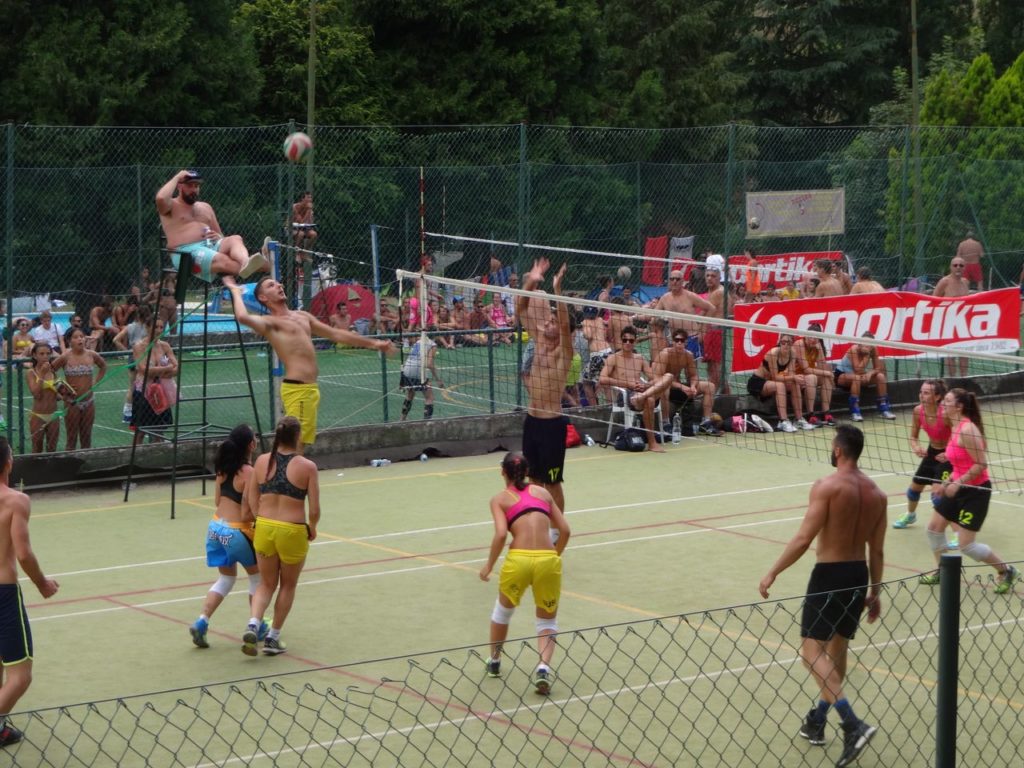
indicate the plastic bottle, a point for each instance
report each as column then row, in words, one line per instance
column 380, row 462
column 588, row 440
column 677, row 429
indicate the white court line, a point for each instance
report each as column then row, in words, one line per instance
column 561, row 704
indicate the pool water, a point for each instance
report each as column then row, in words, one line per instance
column 193, row 324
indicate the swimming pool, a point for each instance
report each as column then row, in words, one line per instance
column 193, row 324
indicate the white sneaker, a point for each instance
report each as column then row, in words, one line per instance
column 786, row 426
column 804, row 424
column 760, row 423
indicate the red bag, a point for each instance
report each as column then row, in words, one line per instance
column 572, row 437
column 157, row 398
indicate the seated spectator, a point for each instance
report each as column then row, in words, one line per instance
column 125, row 313
column 679, row 363
column 49, row 332
column 76, row 323
column 813, row 364
column 789, row 291
column 828, row 284
column 339, row 318
column 388, row 321
column 777, row 377
column 21, row 339
column 444, row 323
column 862, row 367
column 477, row 320
column 99, row 331
column 628, row 298
column 632, row 372
column 499, row 274
column 865, row 283
column 500, row 321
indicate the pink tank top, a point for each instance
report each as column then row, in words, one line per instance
column 960, row 458
column 525, row 502
column 939, row 431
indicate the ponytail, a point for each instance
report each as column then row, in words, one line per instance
column 287, row 434
column 516, row 469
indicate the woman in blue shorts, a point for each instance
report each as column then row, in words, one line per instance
column 229, row 534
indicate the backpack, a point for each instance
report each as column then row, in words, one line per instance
column 572, row 437
column 631, row 440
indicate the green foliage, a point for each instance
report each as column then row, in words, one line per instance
column 1003, row 25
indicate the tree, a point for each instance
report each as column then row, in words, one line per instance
column 1003, row 23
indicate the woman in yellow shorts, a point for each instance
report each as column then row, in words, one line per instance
column 280, row 486
column 532, row 517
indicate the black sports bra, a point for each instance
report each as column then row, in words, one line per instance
column 227, row 489
column 279, row 483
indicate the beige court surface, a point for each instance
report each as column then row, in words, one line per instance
column 394, row 569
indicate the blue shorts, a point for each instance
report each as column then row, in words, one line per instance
column 694, row 346
column 15, row 634
column 227, row 545
column 203, row 253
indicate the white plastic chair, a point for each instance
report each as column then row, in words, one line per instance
column 630, row 418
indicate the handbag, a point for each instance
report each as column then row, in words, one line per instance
column 157, row 395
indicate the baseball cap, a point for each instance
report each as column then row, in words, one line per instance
column 193, row 175
column 716, row 262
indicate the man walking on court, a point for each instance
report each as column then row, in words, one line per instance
column 545, row 426
column 290, row 332
column 847, row 514
column 15, row 633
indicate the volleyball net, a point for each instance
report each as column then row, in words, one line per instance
column 863, row 359
column 722, row 687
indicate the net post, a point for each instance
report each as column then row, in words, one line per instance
column 950, row 567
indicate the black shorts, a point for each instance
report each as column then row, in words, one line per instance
column 412, row 384
column 835, row 599
column 931, row 471
column 677, row 396
column 544, row 448
column 755, row 386
column 15, row 633
column 969, row 507
column 143, row 416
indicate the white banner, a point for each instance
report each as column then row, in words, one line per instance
column 801, row 212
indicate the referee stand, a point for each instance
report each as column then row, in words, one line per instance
column 204, row 430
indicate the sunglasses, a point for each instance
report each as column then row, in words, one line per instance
column 674, row 279
column 679, row 340
column 628, row 340
column 958, row 266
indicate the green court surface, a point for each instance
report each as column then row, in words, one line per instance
column 394, row 573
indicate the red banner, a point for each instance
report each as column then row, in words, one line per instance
column 983, row 322
column 775, row 270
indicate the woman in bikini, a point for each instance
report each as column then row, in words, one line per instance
column 21, row 339
column 44, row 423
column 78, row 364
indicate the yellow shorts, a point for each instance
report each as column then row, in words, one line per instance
column 288, row 541
column 301, row 401
column 540, row 569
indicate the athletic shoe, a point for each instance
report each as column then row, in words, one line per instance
column 707, row 427
column 1006, row 581
column 787, row 426
column 265, row 248
column 493, row 667
column 272, row 646
column 542, row 681
column 812, row 730
column 930, row 579
column 828, row 420
column 9, row 734
column 855, row 415
column 855, row 738
column 249, row 640
column 887, row 413
column 198, row 632
column 814, row 421
column 907, row 518
column 954, row 542
column 261, row 633
column 804, row 424
column 760, row 423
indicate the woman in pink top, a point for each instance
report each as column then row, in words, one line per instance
column 532, row 517
column 965, row 496
column 933, row 469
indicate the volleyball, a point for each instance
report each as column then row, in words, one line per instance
column 624, row 274
column 754, row 222
column 297, row 146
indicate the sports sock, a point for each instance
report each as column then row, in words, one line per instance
column 820, row 712
column 204, row 617
column 274, row 634
column 845, row 711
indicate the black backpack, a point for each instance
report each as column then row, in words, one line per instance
column 631, row 440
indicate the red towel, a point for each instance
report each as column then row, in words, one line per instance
column 654, row 267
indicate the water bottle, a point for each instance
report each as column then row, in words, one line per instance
column 380, row 462
column 423, row 457
column 588, row 440
column 677, row 429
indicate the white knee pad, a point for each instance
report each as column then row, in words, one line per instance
column 546, row 626
column 254, row 581
column 501, row 614
column 937, row 540
column 977, row 551
column 223, row 585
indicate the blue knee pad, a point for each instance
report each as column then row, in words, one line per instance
column 936, row 500
column 913, row 495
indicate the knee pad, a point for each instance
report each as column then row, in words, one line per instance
column 547, row 626
column 936, row 500
column 977, row 551
column 254, row 581
column 937, row 541
column 913, row 495
column 428, row 411
column 223, row 585
column 501, row 614
column 406, row 407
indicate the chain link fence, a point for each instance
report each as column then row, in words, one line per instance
column 79, row 219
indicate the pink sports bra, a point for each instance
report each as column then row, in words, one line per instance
column 525, row 502
column 961, row 460
column 939, row 431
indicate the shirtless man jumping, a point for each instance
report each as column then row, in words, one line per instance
column 290, row 332
column 192, row 227
column 545, row 426
column 846, row 512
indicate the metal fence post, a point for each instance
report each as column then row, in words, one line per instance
column 949, row 660
column 9, row 290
